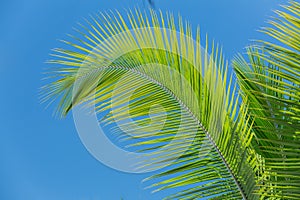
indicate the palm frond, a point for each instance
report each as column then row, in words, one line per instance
column 127, row 70
column 270, row 81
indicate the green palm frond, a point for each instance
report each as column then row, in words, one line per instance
column 270, row 81
column 190, row 95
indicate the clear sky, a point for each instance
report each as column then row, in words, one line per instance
column 42, row 158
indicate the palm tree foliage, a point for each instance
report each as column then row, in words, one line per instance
column 235, row 141
column 270, row 81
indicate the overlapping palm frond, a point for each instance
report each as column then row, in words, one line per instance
column 270, row 81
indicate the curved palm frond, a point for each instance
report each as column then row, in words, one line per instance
column 116, row 64
column 271, row 83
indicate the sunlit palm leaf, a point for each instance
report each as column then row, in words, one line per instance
column 197, row 95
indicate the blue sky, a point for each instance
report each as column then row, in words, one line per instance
column 41, row 157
